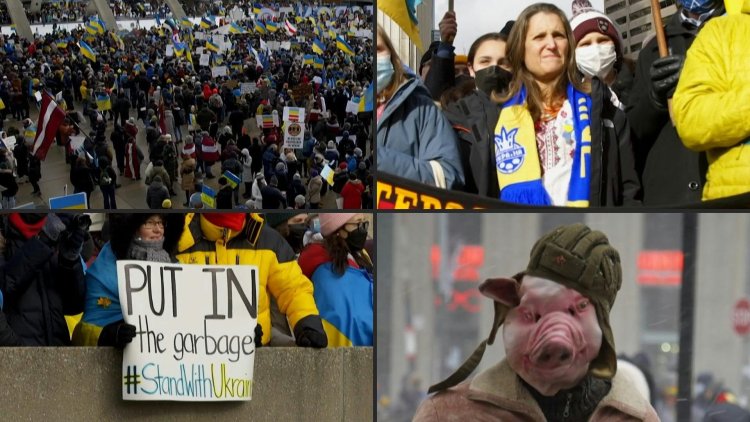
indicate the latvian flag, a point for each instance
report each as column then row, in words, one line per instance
column 291, row 29
column 50, row 117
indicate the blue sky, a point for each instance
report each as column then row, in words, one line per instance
column 477, row 17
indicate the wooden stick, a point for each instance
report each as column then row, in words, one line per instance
column 450, row 5
column 661, row 39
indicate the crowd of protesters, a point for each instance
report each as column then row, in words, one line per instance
column 550, row 112
column 163, row 120
column 58, row 282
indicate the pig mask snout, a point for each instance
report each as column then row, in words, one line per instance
column 556, row 341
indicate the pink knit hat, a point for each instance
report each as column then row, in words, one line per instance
column 330, row 222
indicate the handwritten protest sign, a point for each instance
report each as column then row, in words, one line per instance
column 205, row 59
column 294, row 133
column 248, row 88
column 217, row 71
column 10, row 142
column 195, row 330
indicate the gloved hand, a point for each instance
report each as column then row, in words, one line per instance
column 448, row 28
column 258, row 336
column 665, row 73
column 50, row 233
column 117, row 334
column 71, row 242
column 309, row 332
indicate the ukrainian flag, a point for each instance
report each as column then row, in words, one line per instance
column 236, row 29
column 233, row 180
column 87, row 51
column 257, row 8
column 186, row 22
column 309, row 59
column 365, row 103
column 218, row 59
column 317, row 31
column 404, row 14
column 206, row 23
column 76, row 201
column 103, row 102
column 344, row 46
column 30, row 132
column 208, row 197
column 260, row 28
column 272, row 26
column 211, row 46
column 62, row 44
column 318, row 63
column 298, row 19
column 332, row 33
column 92, row 29
column 100, row 24
column 318, row 47
column 179, row 49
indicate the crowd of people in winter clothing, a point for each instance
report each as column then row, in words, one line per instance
column 196, row 126
column 568, row 119
column 59, row 287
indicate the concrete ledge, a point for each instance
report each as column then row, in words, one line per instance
column 291, row 384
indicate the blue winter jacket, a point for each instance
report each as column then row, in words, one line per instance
column 411, row 132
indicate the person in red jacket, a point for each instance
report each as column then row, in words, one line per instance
column 209, row 153
column 352, row 193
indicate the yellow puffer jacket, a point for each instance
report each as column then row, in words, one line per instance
column 712, row 102
column 205, row 243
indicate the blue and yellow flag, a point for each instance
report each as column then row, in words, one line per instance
column 260, row 28
column 179, row 49
column 91, row 28
column 218, row 59
column 62, row 44
column 318, row 63
column 232, row 179
column 206, row 22
column 318, row 47
column 236, row 29
column 30, row 132
column 365, row 103
column 211, row 46
column 272, row 26
column 185, row 22
column 103, row 102
column 87, row 51
column 208, row 197
column 404, row 13
column 257, row 7
column 342, row 45
column 308, row 59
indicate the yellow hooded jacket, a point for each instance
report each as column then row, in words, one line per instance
column 205, row 243
column 711, row 105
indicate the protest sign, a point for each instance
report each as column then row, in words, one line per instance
column 76, row 142
column 200, row 50
column 76, row 201
column 170, row 50
column 327, row 174
column 248, row 88
column 267, row 121
column 352, row 107
column 299, row 92
column 159, row 61
column 195, row 330
column 286, row 45
column 217, row 71
column 294, row 133
column 10, row 142
column 294, row 114
column 199, row 36
column 205, row 59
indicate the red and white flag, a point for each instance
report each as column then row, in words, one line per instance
column 290, row 28
column 50, row 117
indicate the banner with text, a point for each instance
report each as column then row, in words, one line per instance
column 195, row 330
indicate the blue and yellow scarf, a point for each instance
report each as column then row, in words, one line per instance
column 519, row 172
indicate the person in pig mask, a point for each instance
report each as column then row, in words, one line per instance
column 560, row 360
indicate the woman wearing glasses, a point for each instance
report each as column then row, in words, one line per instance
column 341, row 272
column 144, row 237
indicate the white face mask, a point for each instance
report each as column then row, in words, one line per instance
column 596, row 60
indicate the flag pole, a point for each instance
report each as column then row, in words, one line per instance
column 661, row 40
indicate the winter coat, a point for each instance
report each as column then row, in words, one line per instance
column 278, row 272
column 345, row 301
column 295, row 188
column 257, row 196
column 613, row 181
column 161, row 172
column 313, row 189
column 169, row 156
column 497, row 394
column 352, row 194
column 272, row 198
column 413, row 135
column 670, row 173
column 339, row 180
column 711, row 108
column 224, row 198
column 187, row 175
column 156, row 194
column 80, row 178
column 247, row 168
column 133, row 158
column 169, row 123
column 39, row 287
column 209, row 150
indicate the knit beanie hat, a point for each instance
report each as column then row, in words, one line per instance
column 586, row 20
column 330, row 222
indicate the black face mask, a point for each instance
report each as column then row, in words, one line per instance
column 492, row 78
column 356, row 239
column 295, row 236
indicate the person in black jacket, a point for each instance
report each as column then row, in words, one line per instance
column 224, row 195
column 43, row 280
column 671, row 173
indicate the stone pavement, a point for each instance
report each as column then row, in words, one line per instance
column 132, row 193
